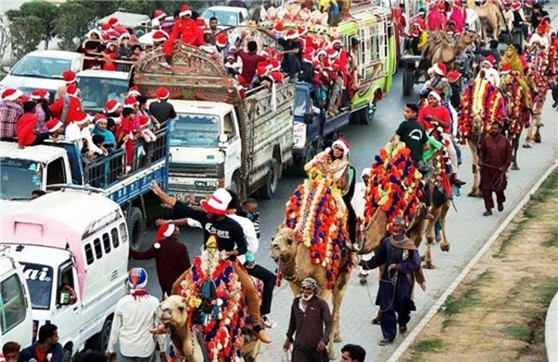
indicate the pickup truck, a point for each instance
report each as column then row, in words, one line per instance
column 98, row 86
column 220, row 138
column 51, row 165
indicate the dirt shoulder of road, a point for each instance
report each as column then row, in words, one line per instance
column 497, row 313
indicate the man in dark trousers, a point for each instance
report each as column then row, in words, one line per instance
column 292, row 54
column 46, row 348
column 171, row 256
column 310, row 325
column 162, row 110
column 495, row 156
column 401, row 261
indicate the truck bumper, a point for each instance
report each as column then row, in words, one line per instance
column 192, row 192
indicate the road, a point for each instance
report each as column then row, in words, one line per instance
column 467, row 228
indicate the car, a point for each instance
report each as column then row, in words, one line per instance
column 98, row 86
column 227, row 16
column 41, row 69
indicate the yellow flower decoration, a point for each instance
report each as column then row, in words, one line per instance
column 194, row 302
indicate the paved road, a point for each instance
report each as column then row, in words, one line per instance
column 467, row 228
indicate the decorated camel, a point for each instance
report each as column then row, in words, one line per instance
column 312, row 242
column 481, row 105
column 394, row 189
column 490, row 15
column 207, row 315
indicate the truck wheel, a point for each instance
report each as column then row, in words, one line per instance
column 135, row 226
column 100, row 341
column 407, row 81
column 366, row 115
column 268, row 190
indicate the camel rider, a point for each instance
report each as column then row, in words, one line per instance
column 419, row 38
column 458, row 16
column 539, row 39
column 512, row 59
column 438, row 82
column 489, row 72
column 508, row 14
column 508, row 76
column 231, row 241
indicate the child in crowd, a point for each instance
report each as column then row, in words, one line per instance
column 145, row 129
column 110, row 54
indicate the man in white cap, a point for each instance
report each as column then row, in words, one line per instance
column 134, row 316
column 231, row 240
column 10, row 111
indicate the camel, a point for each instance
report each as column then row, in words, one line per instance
column 491, row 16
column 439, row 48
column 295, row 264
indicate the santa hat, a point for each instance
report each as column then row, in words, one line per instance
column 110, row 35
column 111, row 106
column 71, row 90
column 321, row 52
column 230, row 56
column 505, row 69
column 134, row 91
column 69, row 76
column 218, row 203
column 130, row 102
column 302, row 30
column 143, row 120
column 489, row 60
column 516, row 5
column 164, row 231
column 308, row 58
column 440, row 69
column 95, row 31
column 279, row 27
column 435, row 95
column 506, row 2
column 53, row 125
column 332, row 53
column 112, row 22
column 241, row 81
column 528, row 4
column 343, row 143
column 262, row 71
column 441, row 6
column 200, row 22
column 291, row 34
column 415, row 33
column 99, row 117
column 158, row 14
column 454, row 76
column 542, row 28
column 40, row 94
column 221, row 40
column 124, row 35
column 336, row 41
column 159, row 36
column 105, row 27
column 277, row 77
column 275, row 64
column 185, row 10
column 81, row 118
column 162, row 93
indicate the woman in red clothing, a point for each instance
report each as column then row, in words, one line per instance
column 110, row 54
column 27, row 127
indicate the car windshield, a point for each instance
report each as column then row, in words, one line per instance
column 195, row 130
column 39, row 67
column 224, row 18
column 300, row 104
column 96, row 91
column 39, row 281
column 19, row 178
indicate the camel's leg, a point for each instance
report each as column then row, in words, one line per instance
column 337, row 297
column 515, row 148
column 475, row 162
column 429, row 241
column 445, row 245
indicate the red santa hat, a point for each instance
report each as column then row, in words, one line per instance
column 72, row 90
column 505, row 69
column 200, row 22
column 162, row 93
column 221, row 40
column 82, row 118
column 343, row 143
column 516, row 5
column 105, row 27
column 279, row 27
column 218, row 203
column 441, row 6
column 95, row 31
column 69, row 76
column 159, row 36
column 454, row 76
column 124, row 35
column 277, row 77
column 489, row 60
column 99, row 117
column 143, row 120
column 111, row 106
column 440, row 69
column 415, row 33
column 291, row 34
column 130, row 102
column 159, row 14
column 332, row 53
column 308, row 58
column 321, row 52
column 40, row 94
column 241, row 81
column 53, row 125
column 112, row 22
column 302, row 30
column 528, row 3
column 506, row 2
column 336, row 41
column 435, row 95
column 275, row 64
column 110, row 35
column 262, row 71
column 542, row 28
column 134, row 91
column 185, row 10
column 165, row 231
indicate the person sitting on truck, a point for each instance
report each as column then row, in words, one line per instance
column 78, row 132
column 231, row 241
column 91, row 47
column 55, row 129
column 162, row 110
column 68, row 106
column 125, row 135
column 292, row 54
column 110, row 54
column 10, row 352
column 249, row 59
column 100, row 129
column 11, row 110
column 47, row 345
column 27, row 127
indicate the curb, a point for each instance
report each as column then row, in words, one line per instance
column 551, row 331
column 411, row 337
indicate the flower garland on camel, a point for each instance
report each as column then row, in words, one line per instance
column 394, row 185
column 515, row 108
column 480, row 97
column 313, row 211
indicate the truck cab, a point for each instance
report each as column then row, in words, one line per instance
column 98, row 86
column 73, row 246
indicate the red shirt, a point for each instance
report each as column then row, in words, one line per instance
column 25, row 129
column 440, row 113
column 57, row 107
column 250, row 64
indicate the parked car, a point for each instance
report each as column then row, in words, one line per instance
column 227, row 16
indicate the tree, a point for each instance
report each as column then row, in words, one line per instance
column 74, row 21
column 47, row 14
column 4, row 36
column 26, row 35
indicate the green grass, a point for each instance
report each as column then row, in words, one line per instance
column 430, row 345
column 520, row 332
column 470, row 298
column 553, row 241
column 546, row 290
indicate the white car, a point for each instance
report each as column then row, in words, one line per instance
column 98, row 86
column 227, row 16
column 42, row 69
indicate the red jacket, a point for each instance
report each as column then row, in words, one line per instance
column 57, row 108
column 25, row 129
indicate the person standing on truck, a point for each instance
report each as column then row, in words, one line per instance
column 68, row 106
column 41, row 96
column 249, row 59
column 27, row 130
column 70, row 78
column 171, row 256
column 162, row 111
column 134, row 316
column 231, row 241
column 10, row 111
column 46, row 348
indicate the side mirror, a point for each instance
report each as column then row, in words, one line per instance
column 6, row 69
column 308, row 118
column 223, row 141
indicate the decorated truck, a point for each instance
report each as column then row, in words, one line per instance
column 221, row 137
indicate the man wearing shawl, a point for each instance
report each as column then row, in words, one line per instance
column 401, row 261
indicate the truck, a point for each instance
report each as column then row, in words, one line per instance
column 51, row 165
column 73, row 247
column 221, row 137
column 98, row 86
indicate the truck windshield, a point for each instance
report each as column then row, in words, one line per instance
column 195, row 130
column 300, row 103
column 19, row 178
column 96, row 91
column 39, row 281
column 224, row 18
column 39, row 67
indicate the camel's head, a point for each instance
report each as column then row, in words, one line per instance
column 173, row 311
column 372, row 232
column 283, row 245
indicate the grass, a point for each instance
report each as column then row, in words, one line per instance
column 553, row 241
column 430, row 345
column 521, row 332
column 470, row 298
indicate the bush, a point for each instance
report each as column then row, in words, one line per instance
column 73, row 23
column 26, row 35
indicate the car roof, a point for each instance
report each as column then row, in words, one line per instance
column 97, row 73
column 40, row 153
column 200, row 107
column 59, row 54
column 127, row 19
column 227, row 8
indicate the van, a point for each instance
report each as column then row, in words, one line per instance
column 16, row 320
column 73, row 246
